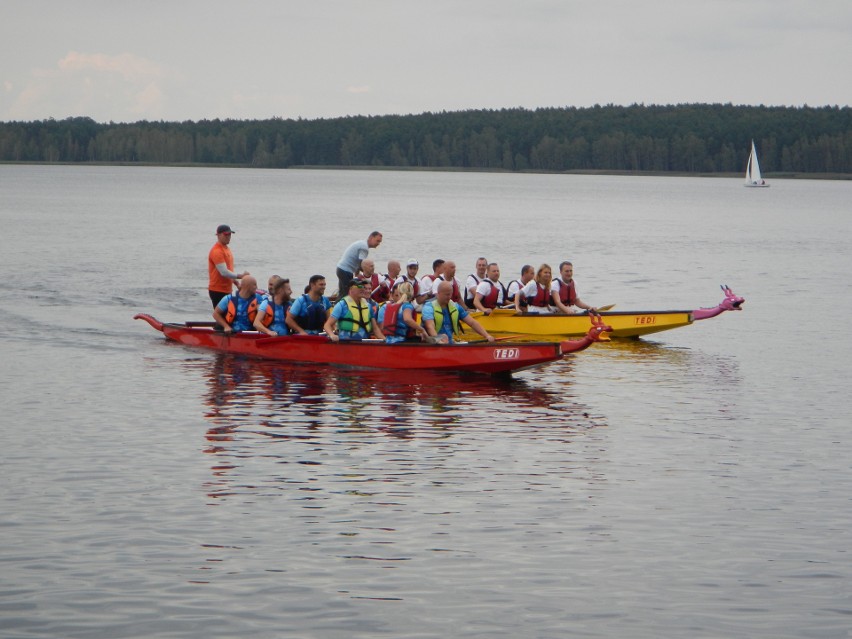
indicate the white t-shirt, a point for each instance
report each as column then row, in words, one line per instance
column 472, row 281
column 514, row 287
column 426, row 284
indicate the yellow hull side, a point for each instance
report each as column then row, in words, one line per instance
column 624, row 324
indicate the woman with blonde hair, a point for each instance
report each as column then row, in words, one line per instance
column 398, row 317
column 537, row 292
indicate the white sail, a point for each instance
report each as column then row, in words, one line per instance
column 752, row 176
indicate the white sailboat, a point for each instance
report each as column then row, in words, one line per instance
column 752, row 175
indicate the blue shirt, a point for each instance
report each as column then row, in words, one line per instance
column 301, row 308
column 352, row 256
column 428, row 313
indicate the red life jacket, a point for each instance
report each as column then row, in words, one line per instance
column 391, row 321
column 381, row 291
column 490, row 300
column 457, row 297
column 567, row 294
column 541, row 297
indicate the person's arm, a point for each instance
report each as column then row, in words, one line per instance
column 581, row 304
column 258, row 323
column 427, row 320
column 429, row 325
column 220, row 319
column 470, row 285
column 224, row 272
column 330, row 328
column 293, row 325
column 477, row 327
column 408, row 318
column 377, row 332
column 477, row 304
column 518, row 297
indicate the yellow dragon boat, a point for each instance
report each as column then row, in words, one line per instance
column 624, row 323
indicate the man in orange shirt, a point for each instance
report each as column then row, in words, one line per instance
column 220, row 266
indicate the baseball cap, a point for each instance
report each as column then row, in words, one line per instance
column 358, row 282
column 412, row 263
column 224, row 228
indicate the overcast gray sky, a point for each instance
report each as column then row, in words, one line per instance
column 124, row 61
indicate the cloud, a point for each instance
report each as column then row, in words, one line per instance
column 129, row 66
column 359, row 89
column 105, row 87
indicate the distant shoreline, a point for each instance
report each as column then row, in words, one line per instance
column 197, row 165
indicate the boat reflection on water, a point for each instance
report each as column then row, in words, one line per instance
column 282, row 400
column 316, row 424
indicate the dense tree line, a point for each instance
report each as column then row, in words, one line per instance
column 691, row 138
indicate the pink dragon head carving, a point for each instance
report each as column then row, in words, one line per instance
column 732, row 302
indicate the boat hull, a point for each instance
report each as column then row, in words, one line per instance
column 624, row 324
column 475, row 357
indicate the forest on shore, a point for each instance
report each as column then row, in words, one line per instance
column 687, row 138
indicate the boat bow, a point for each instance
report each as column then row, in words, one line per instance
column 153, row 321
column 595, row 334
column 732, row 302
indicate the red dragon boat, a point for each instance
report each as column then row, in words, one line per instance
column 495, row 358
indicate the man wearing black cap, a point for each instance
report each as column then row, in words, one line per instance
column 220, row 266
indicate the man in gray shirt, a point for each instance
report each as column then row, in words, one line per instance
column 350, row 262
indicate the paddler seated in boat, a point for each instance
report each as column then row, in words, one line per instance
column 272, row 313
column 398, row 318
column 564, row 291
column 473, row 280
column 442, row 316
column 427, row 281
column 527, row 274
column 410, row 276
column 308, row 313
column 237, row 311
column 368, row 272
column 536, row 295
column 351, row 319
column 382, row 292
column 267, row 294
column 490, row 293
column 448, row 274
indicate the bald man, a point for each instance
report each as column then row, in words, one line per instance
column 441, row 316
column 237, row 311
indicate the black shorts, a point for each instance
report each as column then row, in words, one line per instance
column 216, row 297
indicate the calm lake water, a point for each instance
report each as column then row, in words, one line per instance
column 697, row 483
